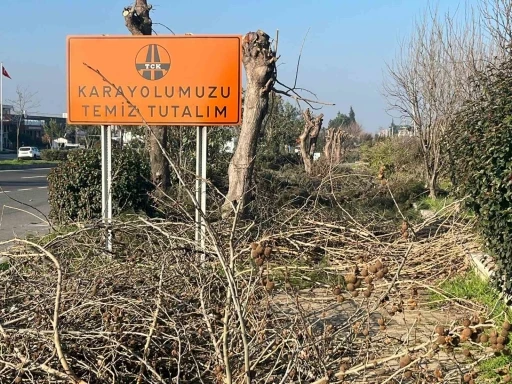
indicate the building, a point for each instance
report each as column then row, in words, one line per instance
column 31, row 126
column 402, row 130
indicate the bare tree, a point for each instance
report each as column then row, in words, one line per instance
column 339, row 140
column 138, row 21
column 24, row 101
column 259, row 63
column 421, row 86
column 309, row 137
column 497, row 20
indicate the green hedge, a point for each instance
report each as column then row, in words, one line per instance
column 75, row 185
column 54, row 154
column 481, row 149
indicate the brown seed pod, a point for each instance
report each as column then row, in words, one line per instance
column 367, row 293
column 467, row 377
column 379, row 265
column 385, row 270
column 373, row 268
column 493, row 333
column 380, row 274
column 364, row 272
column 269, row 286
column 366, row 332
column 441, row 340
column 18, row 379
column 381, row 321
column 254, row 245
column 500, row 340
column 340, row 299
column 440, row 330
column 260, row 249
column 507, row 379
column 358, row 283
column 506, row 325
column 382, row 327
column 267, row 251
column 500, row 347
column 405, row 361
column 484, row 338
column 259, row 261
column 254, row 254
column 351, row 278
column 466, row 322
column 467, row 332
column 504, row 333
column 438, row 373
column 351, row 287
column 493, row 340
column 407, row 374
column 466, row 352
column 355, row 293
column 337, row 291
column 368, row 279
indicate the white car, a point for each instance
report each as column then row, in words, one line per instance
column 29, row 153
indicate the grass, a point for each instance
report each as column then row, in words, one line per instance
column 26, row 162
column 471, row 286
column 434, row 204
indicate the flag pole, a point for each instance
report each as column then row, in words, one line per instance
column 1, row 107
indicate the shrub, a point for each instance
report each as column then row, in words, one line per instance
column 75, row 185
column 482, row 159
column 397, row 154
column 54, row 154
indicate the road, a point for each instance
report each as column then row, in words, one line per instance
column 7, row 156
column 23, row 202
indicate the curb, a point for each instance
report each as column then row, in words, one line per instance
column 5, row 167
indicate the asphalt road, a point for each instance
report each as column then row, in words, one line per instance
column 23, row 202
column 7, row 156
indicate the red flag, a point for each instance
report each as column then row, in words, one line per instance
column 5, row 73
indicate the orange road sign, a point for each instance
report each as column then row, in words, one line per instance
column 162, row 80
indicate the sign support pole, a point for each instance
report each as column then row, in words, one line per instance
column 106, row 181
column 201, row 154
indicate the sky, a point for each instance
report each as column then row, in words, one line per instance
column 343, row 60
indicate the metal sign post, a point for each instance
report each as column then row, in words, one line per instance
column 106, row 181
column 201, row 154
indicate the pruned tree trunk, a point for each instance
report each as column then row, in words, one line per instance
column 138, row 22
column 308, row 139
column 259, row 63
column 334, row 149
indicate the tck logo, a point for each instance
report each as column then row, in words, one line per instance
column 153, row 62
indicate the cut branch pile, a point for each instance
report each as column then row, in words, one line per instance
column 313, row 298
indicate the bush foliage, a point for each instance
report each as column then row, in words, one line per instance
column 75, row 185
column 397, row 154
column 482, row 160
column 54, row 154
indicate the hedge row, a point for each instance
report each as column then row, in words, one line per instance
column 54, row 154
column 75, row 185
column 481, row 150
